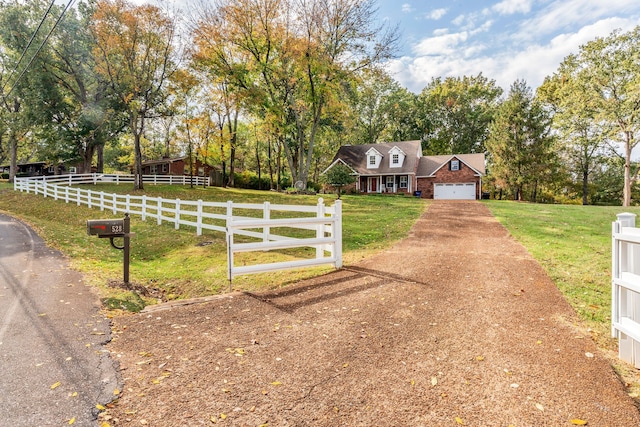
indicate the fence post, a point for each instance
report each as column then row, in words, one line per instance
column 229, row 243
column 625, row 303
column 199, row 219
column 337, row 233
column 159, row 210
column 44, row 188
column 177, row 215
column 89, row 199
column 266, row 214
column 144, row 207
column 114, row 207
column 128, row 203
column 102, row 200
column 320, row 228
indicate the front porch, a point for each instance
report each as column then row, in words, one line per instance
column 385, row 184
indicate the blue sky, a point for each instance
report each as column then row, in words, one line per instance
column 504, row 40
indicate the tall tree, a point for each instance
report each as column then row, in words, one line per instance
column 521, row 151
column 606, row 72
column 290, row 58
column 458, row 111
column 581, row 136
column 135, row 51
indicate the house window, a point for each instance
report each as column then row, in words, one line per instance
column 201, row 171
column 372, row 160
column 165, row 168
column 154, row 169
column 72, row 169
column 455, row 165
column 389, row 182
column 403, row 181
column 395, row 159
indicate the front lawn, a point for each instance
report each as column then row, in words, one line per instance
column 183, row 265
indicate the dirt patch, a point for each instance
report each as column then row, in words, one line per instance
column 457, row 324
column 145, row 291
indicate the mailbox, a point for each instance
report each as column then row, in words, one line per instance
column 106, row 227
column 112, row 228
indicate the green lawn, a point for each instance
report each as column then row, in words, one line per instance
column 184, row 265
column 573, row 244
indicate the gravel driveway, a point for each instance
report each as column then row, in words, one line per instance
column 455, row 325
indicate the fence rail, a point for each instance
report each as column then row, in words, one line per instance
column 95, row 178
column 250, row 220
column 625, row 288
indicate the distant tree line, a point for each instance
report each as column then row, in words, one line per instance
column 268, row 90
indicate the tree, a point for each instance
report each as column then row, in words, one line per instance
column 290, row 59
column 521, row 151
column 457, row 113
column 339, row 175
column 375, row 102
column 135, row 53
column 76, row 105
column 582, row 137
column 607, row 76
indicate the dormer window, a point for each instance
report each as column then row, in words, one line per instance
column 396, row 157
column 373, row 158
column 455, row 165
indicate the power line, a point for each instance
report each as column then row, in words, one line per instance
column 24, row 52
column 24, row 70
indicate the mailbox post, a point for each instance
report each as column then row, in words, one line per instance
column 111, row 229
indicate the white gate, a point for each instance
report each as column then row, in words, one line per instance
column 625, row 288
column 326, row 225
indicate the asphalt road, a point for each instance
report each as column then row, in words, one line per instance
column 54, row 369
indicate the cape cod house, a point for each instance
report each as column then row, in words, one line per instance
column 400, row 167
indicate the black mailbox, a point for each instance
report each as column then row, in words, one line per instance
column 105, row 227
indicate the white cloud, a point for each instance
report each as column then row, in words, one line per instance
column 445, row 44
column 437, row 14
column 459, row 54
column 458, row 20
column 560, row 15
column 510, row 7
column 406, row 8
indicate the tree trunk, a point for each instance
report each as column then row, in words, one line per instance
column 13, row 155
column 626, row 193
column 270, row 163
column 87, row 158
column 100, row 155
column 137, row 181
column 585, row 187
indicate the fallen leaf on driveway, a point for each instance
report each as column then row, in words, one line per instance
column 56, row 385
column 578, row 422
column 460, row 421
column 539, row 406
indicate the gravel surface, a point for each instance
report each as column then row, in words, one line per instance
column 455, row 325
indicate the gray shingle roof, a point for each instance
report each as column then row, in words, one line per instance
column 430, row 164
column 355, row 156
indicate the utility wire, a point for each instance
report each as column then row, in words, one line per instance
column 24, row 52
column 41, row 46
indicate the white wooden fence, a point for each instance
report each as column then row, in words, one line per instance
column 625, row 289
column 94, row 178
column 252, row 221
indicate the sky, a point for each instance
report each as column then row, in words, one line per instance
column 504, row 40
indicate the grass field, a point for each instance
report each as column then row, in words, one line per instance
column 184, row 265
column 573, row 244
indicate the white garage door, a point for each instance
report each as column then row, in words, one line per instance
column 463, row 191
